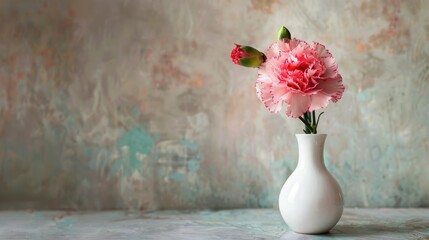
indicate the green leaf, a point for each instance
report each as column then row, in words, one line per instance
column 283, row 33
column 318, row 118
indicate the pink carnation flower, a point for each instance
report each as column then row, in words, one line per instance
column 302, row 75
column 237, row 53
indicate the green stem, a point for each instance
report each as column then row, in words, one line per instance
column 310, row 122
column 314, row 117
column 314, row 125
column 308, row 119
column 307, row 125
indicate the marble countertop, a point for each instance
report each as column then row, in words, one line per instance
column 225, row 224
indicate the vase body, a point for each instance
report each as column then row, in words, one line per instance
column 311, row 200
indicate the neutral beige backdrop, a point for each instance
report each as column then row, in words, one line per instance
column 136, row 104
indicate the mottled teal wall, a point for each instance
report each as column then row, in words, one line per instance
column 135, row 104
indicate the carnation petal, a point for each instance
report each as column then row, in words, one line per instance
column 263, row 75
column 332, row 87
column 280, row 92
column 318, row 101
column 275, row 50
column 297, row 105
column 264, row 94
column 320, row 49
column 331, row 67
column 263, row 91
column 274, row 107
column 295, row 42
column 327, row 58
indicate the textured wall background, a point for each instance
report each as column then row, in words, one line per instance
column 135, row 104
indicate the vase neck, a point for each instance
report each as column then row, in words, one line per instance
column 311, row 150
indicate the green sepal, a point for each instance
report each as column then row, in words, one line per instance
column 250, row 50
column 254, row 61
column 283, row 33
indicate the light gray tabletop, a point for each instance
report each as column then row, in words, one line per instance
column 225, row 224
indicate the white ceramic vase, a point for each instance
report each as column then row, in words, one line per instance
column 311, row 200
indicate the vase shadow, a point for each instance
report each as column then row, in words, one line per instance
column 417, row 229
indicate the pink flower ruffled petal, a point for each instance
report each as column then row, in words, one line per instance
column 318, row 101
column 332, row 87
column 303, row 76
column 298, row 105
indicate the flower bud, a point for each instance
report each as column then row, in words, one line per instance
column 283, row 33
column 247, row 56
